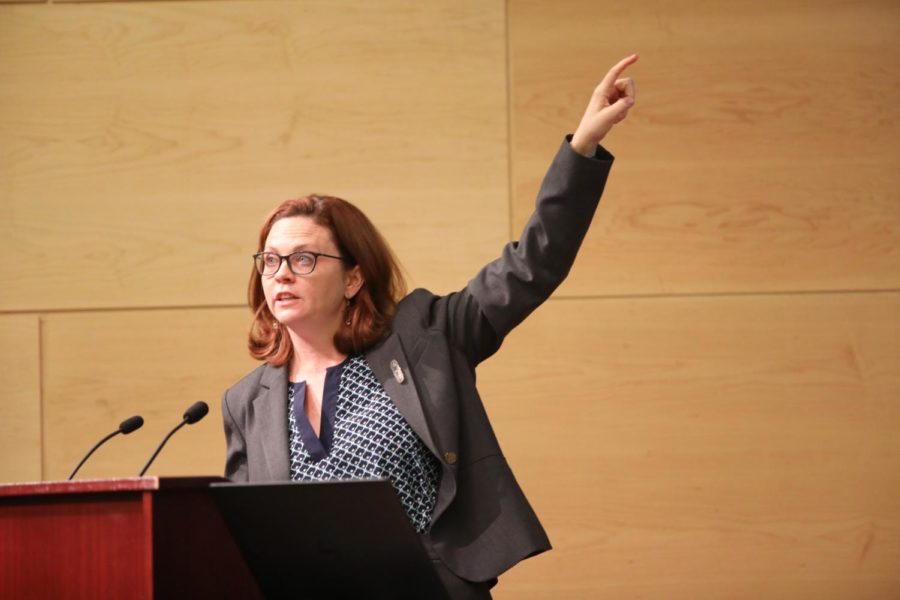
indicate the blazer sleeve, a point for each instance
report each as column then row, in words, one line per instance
column 529, row 269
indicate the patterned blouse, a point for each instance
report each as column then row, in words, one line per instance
column 362, row 436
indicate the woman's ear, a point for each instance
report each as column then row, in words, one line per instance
column 353, row 282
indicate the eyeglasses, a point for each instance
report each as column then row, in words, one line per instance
column 300, row 263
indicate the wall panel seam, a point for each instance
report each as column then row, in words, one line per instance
column 103, row 309
column 762, row 293
column 558, row 298
column 509, row 134
column 72, row 2
column 41, row 371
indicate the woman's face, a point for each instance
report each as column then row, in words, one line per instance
column 317, row 300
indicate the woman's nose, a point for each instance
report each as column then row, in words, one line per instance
column 284, row 271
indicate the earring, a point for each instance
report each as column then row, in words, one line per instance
column 348, row 321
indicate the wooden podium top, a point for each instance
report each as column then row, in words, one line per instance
column 120, row 484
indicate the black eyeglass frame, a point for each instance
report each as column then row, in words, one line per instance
column 285, row 257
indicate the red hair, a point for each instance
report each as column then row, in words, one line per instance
column 357, row 240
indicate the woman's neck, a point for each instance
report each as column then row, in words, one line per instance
column 313, row 353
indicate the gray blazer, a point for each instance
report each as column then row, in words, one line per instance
column 482, row 523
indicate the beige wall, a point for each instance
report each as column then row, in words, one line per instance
column 709, row 406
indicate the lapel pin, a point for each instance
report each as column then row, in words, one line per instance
column 397, row 371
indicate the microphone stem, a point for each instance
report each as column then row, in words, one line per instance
column 88, row 455
column 160, row 447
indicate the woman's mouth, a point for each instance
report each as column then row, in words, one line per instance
column 284, row 297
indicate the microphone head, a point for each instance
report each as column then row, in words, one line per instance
column 131, row 423
column 196, row 412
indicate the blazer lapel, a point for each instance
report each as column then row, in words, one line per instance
column 400, row 386
column 271, row 419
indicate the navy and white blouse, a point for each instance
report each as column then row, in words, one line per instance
column 362, row 436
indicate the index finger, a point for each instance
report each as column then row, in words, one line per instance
column 617, row 70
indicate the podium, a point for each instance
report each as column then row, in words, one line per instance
column 140, row 537
column 201, row 537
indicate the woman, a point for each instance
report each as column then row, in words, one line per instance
column 359, row 383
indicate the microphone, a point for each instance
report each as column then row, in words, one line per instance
column 193, row 414
column 127, row 426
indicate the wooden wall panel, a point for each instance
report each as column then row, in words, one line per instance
column 101, row 368
column 20, row 398
column 142, row 144
column 762, row 152
column 741, row 447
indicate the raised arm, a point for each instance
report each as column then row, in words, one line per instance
column 509, row 288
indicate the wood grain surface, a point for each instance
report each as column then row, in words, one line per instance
column 706, row 447
column 104, row 367
column 141, row 145
column 20, row 399
column 708, row 407
column 761, row 154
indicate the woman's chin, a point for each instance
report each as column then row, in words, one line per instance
column 300, row 320
column 287, row 316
